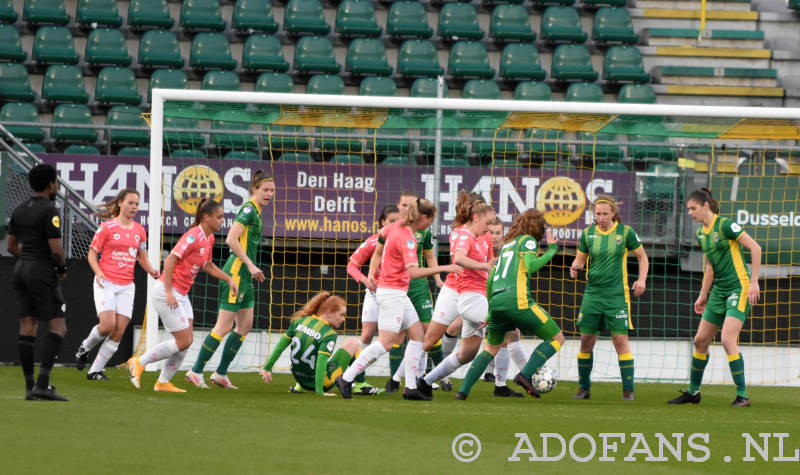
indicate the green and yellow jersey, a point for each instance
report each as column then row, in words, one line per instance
column 249, row 216
column 720, row 244
column 607, row 253
column 508, row 286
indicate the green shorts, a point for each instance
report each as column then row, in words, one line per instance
column 726, row 304
column 336, row 365
column 244, row 299
column 420, row 295
column 530, row 321
column 600, row 313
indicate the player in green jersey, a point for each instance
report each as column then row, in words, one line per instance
column 243, row 238
column 312, row 338
column 732, row 292
column 511, row 304
column 606, row 303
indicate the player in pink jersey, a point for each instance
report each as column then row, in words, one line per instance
column 396, row 313
column 121, row 242
column 170, row 297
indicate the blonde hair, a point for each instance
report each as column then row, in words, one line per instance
column 418, row 209
column 321, row 304
column 607, row 199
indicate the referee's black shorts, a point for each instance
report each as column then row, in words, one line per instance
column 38, row 290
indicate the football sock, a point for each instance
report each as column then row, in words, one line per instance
column 396, row 357
column 412, row 360
column 52, row 343
column 400, row 371
column 163, row 350
column 736, row 363
column 517, row 354
column 541, row 353
column 423, row 365
column 435, row 356
column 490, row 368
column 232, row 345
column 171, row 366
column 448, row 344
column 366, row 358
column 93, row 339
column 209, row 346
column 476, row 370
column 106, row 351
column 501, row 362
column 626, row 370
column 443, row 369
column 585, row 363
column 25, row 347
column 699, row 362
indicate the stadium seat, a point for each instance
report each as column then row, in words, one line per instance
column 274, row 82
column 500, row 163
column 511, row 22
column 107, row 47
column 561, row 23
column 408, row 19
column 455, row 162
column 167, row 79
column 73, row 114
column 242, row 155
column 305, row 17
column 263, row 53
column 188, row 153
column 201, row 15
column 189, row 140
column 54, row 44
column 502, row 145
column 624, row 63
column 650, row 152
column 418, row 58
column 93, row 13
column 395, row 160
column 367, row 56
column 41, row 12
column 357, row 18
column 584, row 92
column 15, row 84
column 295, row 142
column 469, row 59
column 459, row 21
column 389, row 146
column 335, row 145
column 64, row 83
column 134, row 152
column 314, row 54
column 295, row 157
column 637, row 94
column 558, row 164
column 81, row 150
column 613, row 3
column 226, row 141
column 377, row 86
column 572, row 62
column 588, row 148
column 542, row 151
column 347, row 158
column 117, row 85
column 7, row 13
column 211, row 50
column 149, row 14
column 254, row 15
column 127, row 116
column 425, row 87
column 35, row 148
column 160, row 48
column 325, row 84
column 521, row 61
column 221, row 81
column 532, row 91
column 480, row 89
column 611, row 166
column 613, row 25
column 660, row 187
column 450, row 147
column 10, row 44
column 22, row 112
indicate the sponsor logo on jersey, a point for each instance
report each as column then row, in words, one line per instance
column 716, row 236
column 247, row 209
column 455, row 235
column 530, row 245
column 410, row 243
column 619, row 239
column 308, row 331
column 132, row 251
column 190, row 239
column 331, row 345
column 137, row 238
column 735, row 227
column 622, row 314
column 202, row 251
column 733, row 300
column 116, row 236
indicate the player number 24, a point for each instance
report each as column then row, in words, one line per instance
column 308, row 356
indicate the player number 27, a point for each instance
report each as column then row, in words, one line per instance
column 506, row 256
column 308, row 357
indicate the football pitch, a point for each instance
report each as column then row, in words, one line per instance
column 109, row 427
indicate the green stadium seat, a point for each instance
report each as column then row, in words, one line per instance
column 314, row 54
column 15, row 84
column 367, row 56
column 41, row 12
column 117, row 86
column 274, row 82
column 395, row 160
column 540, row 151
column 561, row 23
column 510, row 163
column 335, row 145
column 325, row 84
column 502, row 145
column 64, row 83
column 572, row 62
column 588, row 148
column 127, row 116
column 107, row 47
column 511, row 22
column 521, row 61
column 425, row 87
column 408, row 19
column 347, row 158
column 211, row 50
column 459, row 20
column 202, row 15
column 160, row 48
column 305, row 17
column 173, row 139
column 532, row 91
column 98, row 12
column 54, row 44
column 73, row 114
column 611, row 166
column 389, row 146
column 455, row 162
column 263, row 53
column 7, row 13
column 660, row 187
column 11, row 45
column 650, row 152
column 613, row 25
column 469, row 59
column 22, row 112
column 35, row 148
column 134, row 152
column 167, row 79
column 295, row 142
column 377, row 86
column 637, row 94
column 584, row 92
column 242, row 155
column 254, row 15
column 624, row 63
column 450, row 147
column 221, row 81
column 613, row 3
column 81, row 150
column 418, row 58
column 295, row 157
column 480, row 89
column 149, row 14
column 225, row 141
column 562, row 164
column 357, row 18
column 188, row 153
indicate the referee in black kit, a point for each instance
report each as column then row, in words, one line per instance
column 35, row 237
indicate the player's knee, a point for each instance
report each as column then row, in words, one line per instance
column 729, row 342
column 701, row 343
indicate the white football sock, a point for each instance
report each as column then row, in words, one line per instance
column 93, row 339
column 501, row 367
column 401, row 370
column 423, row 364
column 412, row 358
column 448, row 344
column 489, row 368
column 106, row 351
column 517, row 354
column 162, row 351
column 366, row 358
column 443, row 369
column 171, row 366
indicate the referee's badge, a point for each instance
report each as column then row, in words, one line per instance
column 56, row 222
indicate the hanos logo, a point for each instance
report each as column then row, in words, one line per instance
column 561, row 200
column 195, row 183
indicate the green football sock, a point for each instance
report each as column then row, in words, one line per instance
column 699, row 362
column 541, row 353
column 475, row 372
column 585, row 363
column 736, row 363
column 626, row 370
column 395, row 357
column 210, row 345
column 435, row 356
column 232, row 345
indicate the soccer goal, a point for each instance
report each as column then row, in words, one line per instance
column 339, row 159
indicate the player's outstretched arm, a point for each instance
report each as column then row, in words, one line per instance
column 266, row 373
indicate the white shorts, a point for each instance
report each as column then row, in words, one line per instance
column 473, row 308
column 369, row 312
column 446, row 309
column 114, row 298
column 395, row 311
column 174, row 319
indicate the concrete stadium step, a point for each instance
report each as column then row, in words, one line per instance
column 730, row 5
column 693, row 56
column 741, row 91
column 716, row 38
column 711, row 76
column 690, row 18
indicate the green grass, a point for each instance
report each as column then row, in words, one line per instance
column 109, row 427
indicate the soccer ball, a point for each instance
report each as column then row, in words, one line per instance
column 544, row 380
